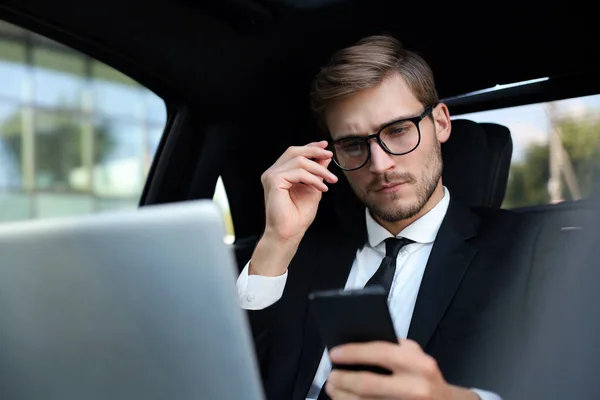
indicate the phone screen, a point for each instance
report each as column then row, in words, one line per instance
column 353, row 316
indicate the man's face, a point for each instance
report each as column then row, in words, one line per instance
column 394, row 188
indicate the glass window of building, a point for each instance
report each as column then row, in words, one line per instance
column 76, row 136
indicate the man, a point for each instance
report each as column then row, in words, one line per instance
column 455, row 280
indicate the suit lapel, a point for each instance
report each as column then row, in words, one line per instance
column 330, row 272
column 450, row 258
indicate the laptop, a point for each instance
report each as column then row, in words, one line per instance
column 139, row 304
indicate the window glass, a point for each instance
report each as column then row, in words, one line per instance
column 13, row 69
column 220, row 198
column 10, row 147
column 556, row 149
column 76, row 136
column 57, row 78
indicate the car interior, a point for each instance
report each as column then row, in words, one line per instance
column 234, row 76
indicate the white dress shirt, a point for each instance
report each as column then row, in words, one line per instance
column 258, row 292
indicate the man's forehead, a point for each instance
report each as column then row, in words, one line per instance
column 366, row 111
column 363, row 124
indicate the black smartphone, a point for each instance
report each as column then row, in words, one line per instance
column 353, row 316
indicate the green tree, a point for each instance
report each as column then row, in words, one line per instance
column 528, row 180
column 581, row 138
column 58, row 144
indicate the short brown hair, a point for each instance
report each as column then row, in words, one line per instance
column 365, row 65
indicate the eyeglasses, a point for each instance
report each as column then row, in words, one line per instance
column 396, row 138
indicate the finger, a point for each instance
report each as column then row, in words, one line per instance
column 300, row 175
column 384, row 354
column 336, row 393
column 311, row 166
column 410, row 345
column 367, row 385
column 321, row 143
column 324, row 161
column 362, row 385
column 308, row 151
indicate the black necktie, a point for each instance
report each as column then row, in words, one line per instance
column 383, row 276
column 385, row 273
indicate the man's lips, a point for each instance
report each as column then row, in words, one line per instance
column 389, row 187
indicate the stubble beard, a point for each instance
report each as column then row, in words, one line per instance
column 394, row 211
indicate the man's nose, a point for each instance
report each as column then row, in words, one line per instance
column 381, row 161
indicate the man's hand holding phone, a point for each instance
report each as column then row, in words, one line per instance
column 293, row 187
column 415, row 374
column 369, row 362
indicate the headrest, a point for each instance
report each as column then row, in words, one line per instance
column 476, row 162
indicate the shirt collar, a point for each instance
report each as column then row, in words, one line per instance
column 423, row 230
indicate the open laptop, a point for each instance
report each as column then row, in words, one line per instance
column 129, row 305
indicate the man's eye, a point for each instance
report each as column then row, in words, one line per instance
column 352, row 146
column 398, row 131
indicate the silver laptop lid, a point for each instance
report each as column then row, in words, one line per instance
column 129, row 305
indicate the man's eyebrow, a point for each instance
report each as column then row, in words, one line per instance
column 410, row 116
column 358, row 135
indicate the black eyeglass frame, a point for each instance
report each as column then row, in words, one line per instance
column 415, row 120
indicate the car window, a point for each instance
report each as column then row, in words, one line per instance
column 220, row 198
column 556, row 149
column 76, row 136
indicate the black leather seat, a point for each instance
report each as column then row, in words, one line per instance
column 477, row 161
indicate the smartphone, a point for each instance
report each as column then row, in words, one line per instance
column 353, row 316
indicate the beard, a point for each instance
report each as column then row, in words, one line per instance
column 425, row 186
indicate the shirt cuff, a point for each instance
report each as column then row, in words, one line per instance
column 257, row 292
column 485, row 395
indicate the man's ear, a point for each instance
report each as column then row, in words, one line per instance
column 441, row 119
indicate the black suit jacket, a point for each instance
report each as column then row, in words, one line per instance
column 473, row 297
